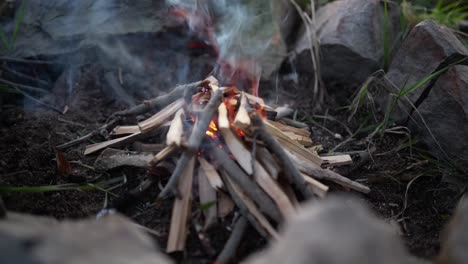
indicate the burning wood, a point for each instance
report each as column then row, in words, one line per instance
column 260, row 166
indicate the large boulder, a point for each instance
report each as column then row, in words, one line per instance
column 455, row 238
column 441, row 118
column 335, row 231
column 351, row 36
column 55, row 27
column 112, row 239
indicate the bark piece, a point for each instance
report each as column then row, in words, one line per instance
column 113, row 158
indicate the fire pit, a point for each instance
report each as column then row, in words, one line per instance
column 238, row 150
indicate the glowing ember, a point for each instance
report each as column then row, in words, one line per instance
column 212, row 129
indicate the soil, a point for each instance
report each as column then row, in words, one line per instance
column 28, row 134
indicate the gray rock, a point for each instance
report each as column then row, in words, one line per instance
column 351, row 40
column 112, row 239
column 455, row 239
column 54, row 27
column 335, row 231
column 441, row 118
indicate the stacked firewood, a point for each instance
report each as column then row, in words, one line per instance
column 242, row 153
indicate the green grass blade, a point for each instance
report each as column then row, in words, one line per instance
column 422, row 82
column 4, row 39
column 19, row 20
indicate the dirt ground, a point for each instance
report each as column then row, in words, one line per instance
column 28, row 134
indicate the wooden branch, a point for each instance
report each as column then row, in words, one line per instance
column 161, row 101
column 250, row 210
column 124, row 130
column 193, row 143
column 245, row 182
column 338, row 160
column 285, row 128
column 236, row 147
column 181, row 211
column 294, row 177
column 317, row 172
column 268, row 161
column 225, row 204
column 304, row 141
column 211, row 173
column 207, row 195
column 111, row 143
column 318, row 188
column 288, row 143
column 230, row 248
column 174, row 135
column 95, row 132
column 244, row 158
column 242, row 119
column 163, row 154
column 160, row 117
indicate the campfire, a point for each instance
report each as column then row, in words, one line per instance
column 243, row 155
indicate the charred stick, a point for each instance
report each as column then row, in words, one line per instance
column 233, row 242
column 25, row 76
column 18, row 60
column 25, row 87
column 134, row 196
column 160, row 101
column 244, row 210
column 248, row 185
column 38, row 101
column 293, row 174
column 101, row 130
column 194, row 141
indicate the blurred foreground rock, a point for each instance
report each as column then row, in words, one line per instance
column 351, row 35
column 112, row 239
column 455, row 239
column 444, row 106
column 335, row 231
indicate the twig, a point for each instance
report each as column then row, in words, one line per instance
column 70, row 122
column 24, row 76
column 160, row 101
column 290, row 170
column 26, row 87
column 233, row 242
column 248, row 185
column 34, row 99
column 10, row 59
column 89, row 135
column 193, row 143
